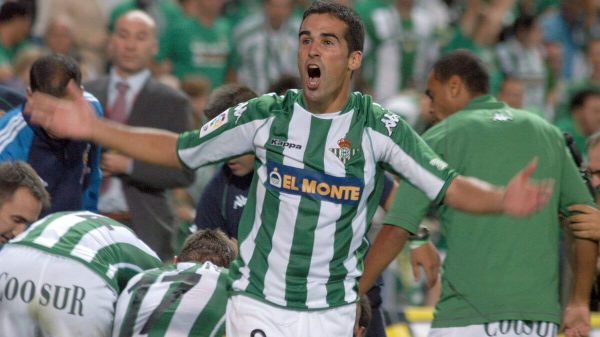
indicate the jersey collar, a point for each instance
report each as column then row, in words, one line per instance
column 349, row 105
column 484, row 102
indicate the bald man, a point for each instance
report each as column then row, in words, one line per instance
column 134, row 192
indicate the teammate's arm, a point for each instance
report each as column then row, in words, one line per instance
column 387, row 245
column 74, row 118
column 576, row 318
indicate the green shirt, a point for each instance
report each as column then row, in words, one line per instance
column 187, row 299
column 497, row 267
column 195, row 49
column 317, row 182
column 7, row 55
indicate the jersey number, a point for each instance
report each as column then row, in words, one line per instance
column 184, row 282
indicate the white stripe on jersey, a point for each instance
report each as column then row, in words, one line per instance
column 11, row 130
column 279, row 256
column 260, row 140
column 359, row 223
column 57, row 229
column 194, row 300
column 248, row 245
column 328, row 214
column 239, row 141
column 154, row 296
column 393, row 154
column 101, row 237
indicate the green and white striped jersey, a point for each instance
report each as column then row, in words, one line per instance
column 187, row 299
column 399, row 51
column 317, row 183
column 528, row 65
column 263, row 55
column 107, row 247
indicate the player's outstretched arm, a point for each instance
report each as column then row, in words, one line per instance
column 72, row 117
column 520, row 198
column 385, row 248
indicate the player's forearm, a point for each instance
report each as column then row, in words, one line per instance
column 584, row 270
column 385, row 248
column 149, row 145
column 471, row 195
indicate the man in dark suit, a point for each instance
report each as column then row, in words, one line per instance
column 135, row 192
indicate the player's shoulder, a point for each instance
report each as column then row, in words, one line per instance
column 271, row 102
column 376, row 116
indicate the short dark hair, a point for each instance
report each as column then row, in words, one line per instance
column 284, row 83
column 355, row 34
column 209, row 245
column 225, row 97
column 467, row 66
column 17, row 174
column 524, row 22
column 580, row 97
column 11, row 10
column 50, row 74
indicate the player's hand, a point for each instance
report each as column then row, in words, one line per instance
column 576, row 321
column 114, row 163
column 428, row 258
column 585, row 222
column 523, row 196
column 68, row 117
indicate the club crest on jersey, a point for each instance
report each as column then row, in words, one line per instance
column 214, row 124
column 344, row 151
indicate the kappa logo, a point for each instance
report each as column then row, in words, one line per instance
column 240, row 201
column 390, row 121
column 214, row 124
column 438, row 163
column 285, row 143
column 502, row 116
column 345, row 151
column 239, row 110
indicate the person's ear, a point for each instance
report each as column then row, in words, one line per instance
column 455, row 85
column 355, row 60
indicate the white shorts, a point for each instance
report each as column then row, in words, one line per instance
column 247, row 317
column 499, row 329
column 48, row 295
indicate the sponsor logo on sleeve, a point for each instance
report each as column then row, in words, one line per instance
column 314, row 185
column 214, row 124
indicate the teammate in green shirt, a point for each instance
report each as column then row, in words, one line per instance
column 62, row 276
column 321, row 153
column 184, row 299
column 500, row 276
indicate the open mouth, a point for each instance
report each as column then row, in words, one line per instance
column 314, row 75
